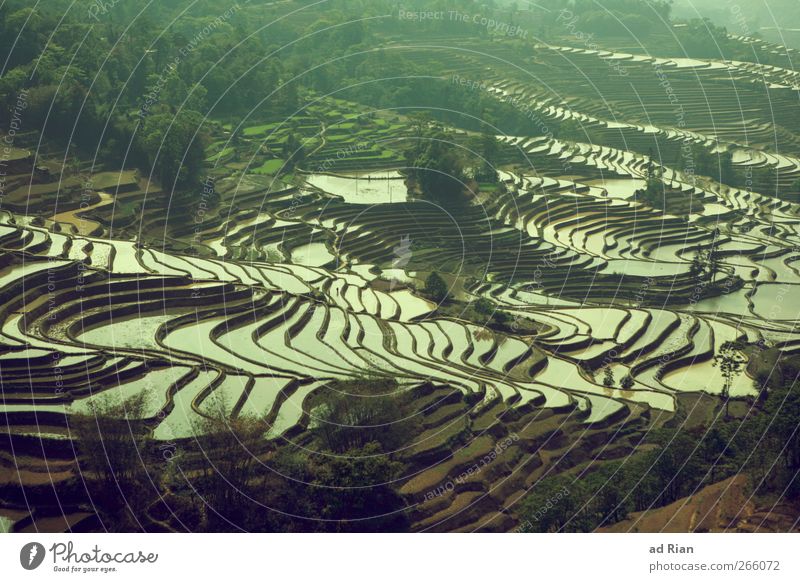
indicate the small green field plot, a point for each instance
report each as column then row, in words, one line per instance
column 270, row 167
column 222, row 154
column 340, row 137
column 261, row 130
column 339, row 127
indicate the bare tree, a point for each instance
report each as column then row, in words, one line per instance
column 114, row 458
column 225, row 469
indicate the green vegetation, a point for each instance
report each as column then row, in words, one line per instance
column 111, row 441
column 321, row 267
column 615, row 17
column 349, row 415
column 436, row 288
column 654, row 193
column 608, row 377
column 697, row 160
column 438, row 168
column 175, row 151
column 486, row 148
column 271, row 167
column 765, row 445
column 730, row 361
column 230, row 476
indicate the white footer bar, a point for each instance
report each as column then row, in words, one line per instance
column 375, row 558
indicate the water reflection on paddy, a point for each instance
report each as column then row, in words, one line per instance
column 374, row 188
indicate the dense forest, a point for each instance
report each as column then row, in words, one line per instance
column 122, row 89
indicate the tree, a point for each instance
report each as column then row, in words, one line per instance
column 23, row 34
column 774, row 435
column 706, row 262
column 420, row 124
column 484, row 306
column 654, row 192
column 608, row 495
column 714, row 260
column 350, row 414
column 174, row 147
column 439, row 171
column 486, row 145
column 237, row 141
column 225, row 469
column 699, row 264
column 713, row 264
column 730, row 360
column 713, row 451
column 555, row 504
column 289, row 96
column 626, row 383
column 795, row 189
column 348, row 491
column 765, row 180
column 436, row 288
column 785, row 439
column 608, row 377
column 677, row 468
column 727, row 173
column 113, row 446
column 573, row 130
column 293, row 151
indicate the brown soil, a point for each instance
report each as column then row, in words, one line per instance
column 722, row 507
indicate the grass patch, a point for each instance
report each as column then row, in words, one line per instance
column 259, row 129
column 219, row 155
column 342, row 137
column 271, row 167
